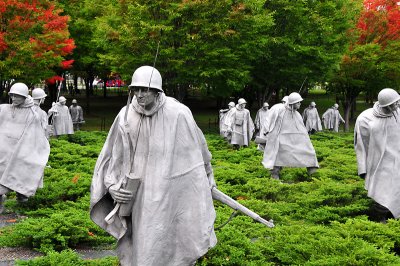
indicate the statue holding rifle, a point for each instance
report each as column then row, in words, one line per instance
column 153, row 183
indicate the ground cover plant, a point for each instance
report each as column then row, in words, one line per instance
column 320, row 220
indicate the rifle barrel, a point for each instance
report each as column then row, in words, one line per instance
column 218, row 195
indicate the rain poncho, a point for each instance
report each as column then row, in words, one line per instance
column 76, row 114
column 261, row 116
column 61, row 121
column 287, row 141
column 311, row 119
column 376, row 142
column 331, row 119
column 173, row 214
column 222, row 127
column 226, row 126
column 24, row 148
column 242, row 127
column 43, row 118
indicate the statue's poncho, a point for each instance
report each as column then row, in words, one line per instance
column 43, row 118
column 173, row 214
column 24, row 148
column 62, row 121
column 332, row 119
column 311, row 119
column 287, row 141
column 261, row 116
column 376, row 142
column 76, row 114
column 222, row 126
column 242, row 127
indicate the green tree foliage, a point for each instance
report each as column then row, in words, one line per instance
column 307, row 41
column 207, row 44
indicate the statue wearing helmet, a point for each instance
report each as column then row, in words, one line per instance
column 38, row 96
column 155, row 165
column 240, row 125
column 76, row 115
column 24, row 148
column 225, row 115
column 311, row 119
column 261, row 117
column 61, row 118
column 332, row 118
column 376, row 141
column 287, row 143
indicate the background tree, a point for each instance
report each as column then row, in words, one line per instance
column 307, row 42
column 203, row 44
column 34, row 40
column 372, row 60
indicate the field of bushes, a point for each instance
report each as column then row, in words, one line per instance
column 325, row 219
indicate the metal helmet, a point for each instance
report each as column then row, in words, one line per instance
column 294, row 97
column 265, row 104
column 38, row 94
column 241, row 101
column 387, row 97
column 232, row 104
column 336, row 105
column 147, row 76
column 62, row 99
column 74, row 101
column 19, row 89
column 313, row 104
column 285, row 99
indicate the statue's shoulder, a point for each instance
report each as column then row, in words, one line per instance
column 173, row 106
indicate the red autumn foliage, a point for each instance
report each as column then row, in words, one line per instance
column 35, row 32
column 379, row 22
column 54, row 79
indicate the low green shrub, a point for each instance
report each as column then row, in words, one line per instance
column 67, row 258
column 54, row 229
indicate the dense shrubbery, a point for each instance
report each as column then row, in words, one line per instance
column 67, row 258
column 320, row 220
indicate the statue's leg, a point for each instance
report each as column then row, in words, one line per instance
column 275, row 173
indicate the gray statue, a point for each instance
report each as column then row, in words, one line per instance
column 332, row 118
column 151, row 187
column 24, row 148
column 38, row 96
column 261, row 116
column 61, row 118
column 376, row 142
column 224, row 115
column 76, row 115
column 241, row 125
column 286, row 139
column 311, row 119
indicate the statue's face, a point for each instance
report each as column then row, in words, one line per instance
column 145, row 97
column 265, row 108
column 17, row 99
column 393, row 107
column 62, row 103
column 296, row 106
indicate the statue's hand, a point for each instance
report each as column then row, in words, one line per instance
column 120, row 195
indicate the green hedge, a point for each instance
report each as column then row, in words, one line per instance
column 320, row 220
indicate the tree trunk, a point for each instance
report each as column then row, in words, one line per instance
column 353, row 110
column 87, row 81
column 347, row 109
column 104, row 87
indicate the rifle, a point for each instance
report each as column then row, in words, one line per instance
column 218, row 195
